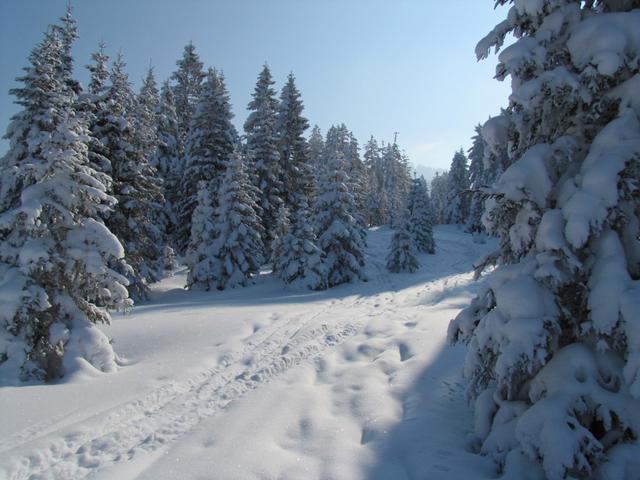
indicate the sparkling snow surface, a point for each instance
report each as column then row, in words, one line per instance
column 266, row 383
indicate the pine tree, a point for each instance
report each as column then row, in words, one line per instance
column 189, row 79
column 338, row 231
column 477, row 178
column 57, row 258
column 136, row 186
column 402, row 251
column 420, row 220
column 298, row 260
column 232, row 248
column 211, row 141
column 457, row 208
column 262, row 142
column 554, row 353
column 167, row 159
column 297, row 173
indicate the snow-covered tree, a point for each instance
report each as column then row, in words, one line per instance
column 136, row 186
column 316, row 149
column 281, row 229
column 200, row 259
column 89, row 104
column 297, row 173
column 339, row 232
column 477, row 179
column 211, row 141
column 167, row 159
column 420, row 219
column 146, row 115
column 262, row 141
column 341, row 142
column 298, row 260
column 457, row 207
column 397, row 181
column 439, row 190
column 57, row 258
column 189, row 80
column 403, row 254
column 376, row 202
column 67, row 32
column 554, row 348
column 230, row 253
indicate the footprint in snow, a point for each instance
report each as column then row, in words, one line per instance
column 405, row 352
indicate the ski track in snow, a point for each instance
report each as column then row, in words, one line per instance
column 147, row 424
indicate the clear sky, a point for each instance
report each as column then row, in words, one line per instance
column 380, row 66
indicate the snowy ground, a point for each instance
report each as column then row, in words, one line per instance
column 260, row 383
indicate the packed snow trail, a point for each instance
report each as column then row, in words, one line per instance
column 336, row 365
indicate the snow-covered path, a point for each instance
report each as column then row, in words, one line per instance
column 355, row 382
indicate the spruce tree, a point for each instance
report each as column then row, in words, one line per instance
column 340, row 142
column 136, row 185
column 67, row 33
column 439, row 192
column 402, row 251
column 200, row 259
column 457, row 207
column 420, row 216
column 316, row 148
column 146, row 115
column 554, row 350
column 167, row 159
column 262, row 141
column 211, row 141
column 397, row 181
column 297, row 173
column 189, row 80
column 57, row 258
column 232, row 248
column 298, row 260
column 90, row 104
column 375, row 195
column 338, row 231
column 477, row 178
column 282, row 228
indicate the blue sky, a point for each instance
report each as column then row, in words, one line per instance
column 379, row 66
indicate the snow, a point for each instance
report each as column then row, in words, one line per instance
column 265, row 382
column 528, row 177
column 605, row 40
column 617, row 144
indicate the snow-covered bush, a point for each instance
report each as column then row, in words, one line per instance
column 57, row 258
column 554, row 334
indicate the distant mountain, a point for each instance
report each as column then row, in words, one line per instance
column 427, row 172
